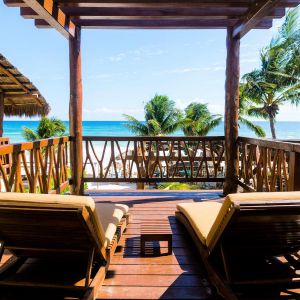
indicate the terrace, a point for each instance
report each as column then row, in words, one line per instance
column 235, row 163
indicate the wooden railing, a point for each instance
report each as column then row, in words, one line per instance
column 153, row 159
column 36, row 167
column 268, row 165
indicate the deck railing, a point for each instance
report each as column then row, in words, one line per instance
column 43, row 166
column 153, row 159
column 36, row 167
column 268, row 165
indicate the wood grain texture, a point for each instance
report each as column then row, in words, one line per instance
column 231, row 112
column 75, row 113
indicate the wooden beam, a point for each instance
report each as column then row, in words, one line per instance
column 166, row 3
column 231, row 112
column 13, row 78
column 1, row 113
column 11, row 102
column 167, row 23
column 258, row 11
column 28, row 13
column 14, row 3
column 99, row 13
column 158, row 24
column 33, row 97
column 75, row 114
column 20, row 96
column 294, row 172
column 53, row 15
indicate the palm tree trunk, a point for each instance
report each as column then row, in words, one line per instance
column 272, row 126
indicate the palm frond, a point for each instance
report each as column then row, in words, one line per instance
column 258, row 130
column 136, row 126
column 29, row 134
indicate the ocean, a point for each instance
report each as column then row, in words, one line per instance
column 13, row 129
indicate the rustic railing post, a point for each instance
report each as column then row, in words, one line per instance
column 294, row 172
column 231, row 111
column 75, row 113
column 1, row 112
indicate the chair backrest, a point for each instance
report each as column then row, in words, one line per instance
column 34, row 229
column 258, row 223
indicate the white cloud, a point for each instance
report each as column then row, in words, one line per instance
column 213, row 107
column 196, row 69
column 106, row 76
column 117, row 57
column 113, row 111
column 137, row 54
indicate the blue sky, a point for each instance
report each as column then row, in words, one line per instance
column 122, row 69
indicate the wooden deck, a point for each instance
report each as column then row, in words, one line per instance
column 176, row 276
column 157, row 275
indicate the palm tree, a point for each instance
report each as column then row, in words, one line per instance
column 277, row 81
column 161, row 118
column 198, row 120
column 244, row 105
column 48, row 127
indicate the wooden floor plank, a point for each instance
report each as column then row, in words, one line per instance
column 154, row 280
column 155, row 269
column 131, row 292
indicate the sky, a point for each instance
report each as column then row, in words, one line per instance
column 123, row 69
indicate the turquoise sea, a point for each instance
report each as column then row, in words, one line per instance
column 13, row 129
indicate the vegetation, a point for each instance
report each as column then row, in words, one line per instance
column 198, row 120
column 47, row 128
column 161, row 118
column 277, row 81
column 178, row 186
column 244, row 106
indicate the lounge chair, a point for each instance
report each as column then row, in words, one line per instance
column 59, row 230
column 242, row 236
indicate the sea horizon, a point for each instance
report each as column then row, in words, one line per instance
column 13, row 129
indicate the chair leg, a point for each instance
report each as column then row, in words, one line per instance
column 1, row 249
column 89, row 267
column 225, row 263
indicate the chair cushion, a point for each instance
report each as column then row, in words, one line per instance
column 110, row 215
column 233, row 201
column 201, row 215
column 267, row 196
column 103, row 216
column 209, row 219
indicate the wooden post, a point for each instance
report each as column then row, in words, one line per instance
column 231, row 111
column 294, row 172
column 75, row 114
column 1, row 113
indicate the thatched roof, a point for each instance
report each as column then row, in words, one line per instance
column 21, row 97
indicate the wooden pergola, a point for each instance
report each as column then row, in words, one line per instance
column 237, row 16
column 18, row 95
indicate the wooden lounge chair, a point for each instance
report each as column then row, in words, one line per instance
column 58, row 230
column 249, row 239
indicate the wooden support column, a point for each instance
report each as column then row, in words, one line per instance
column 231, row 111
column 75, row 114
column 294, row 172
column 1, row 112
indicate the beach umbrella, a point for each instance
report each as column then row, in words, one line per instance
column 18, row 96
